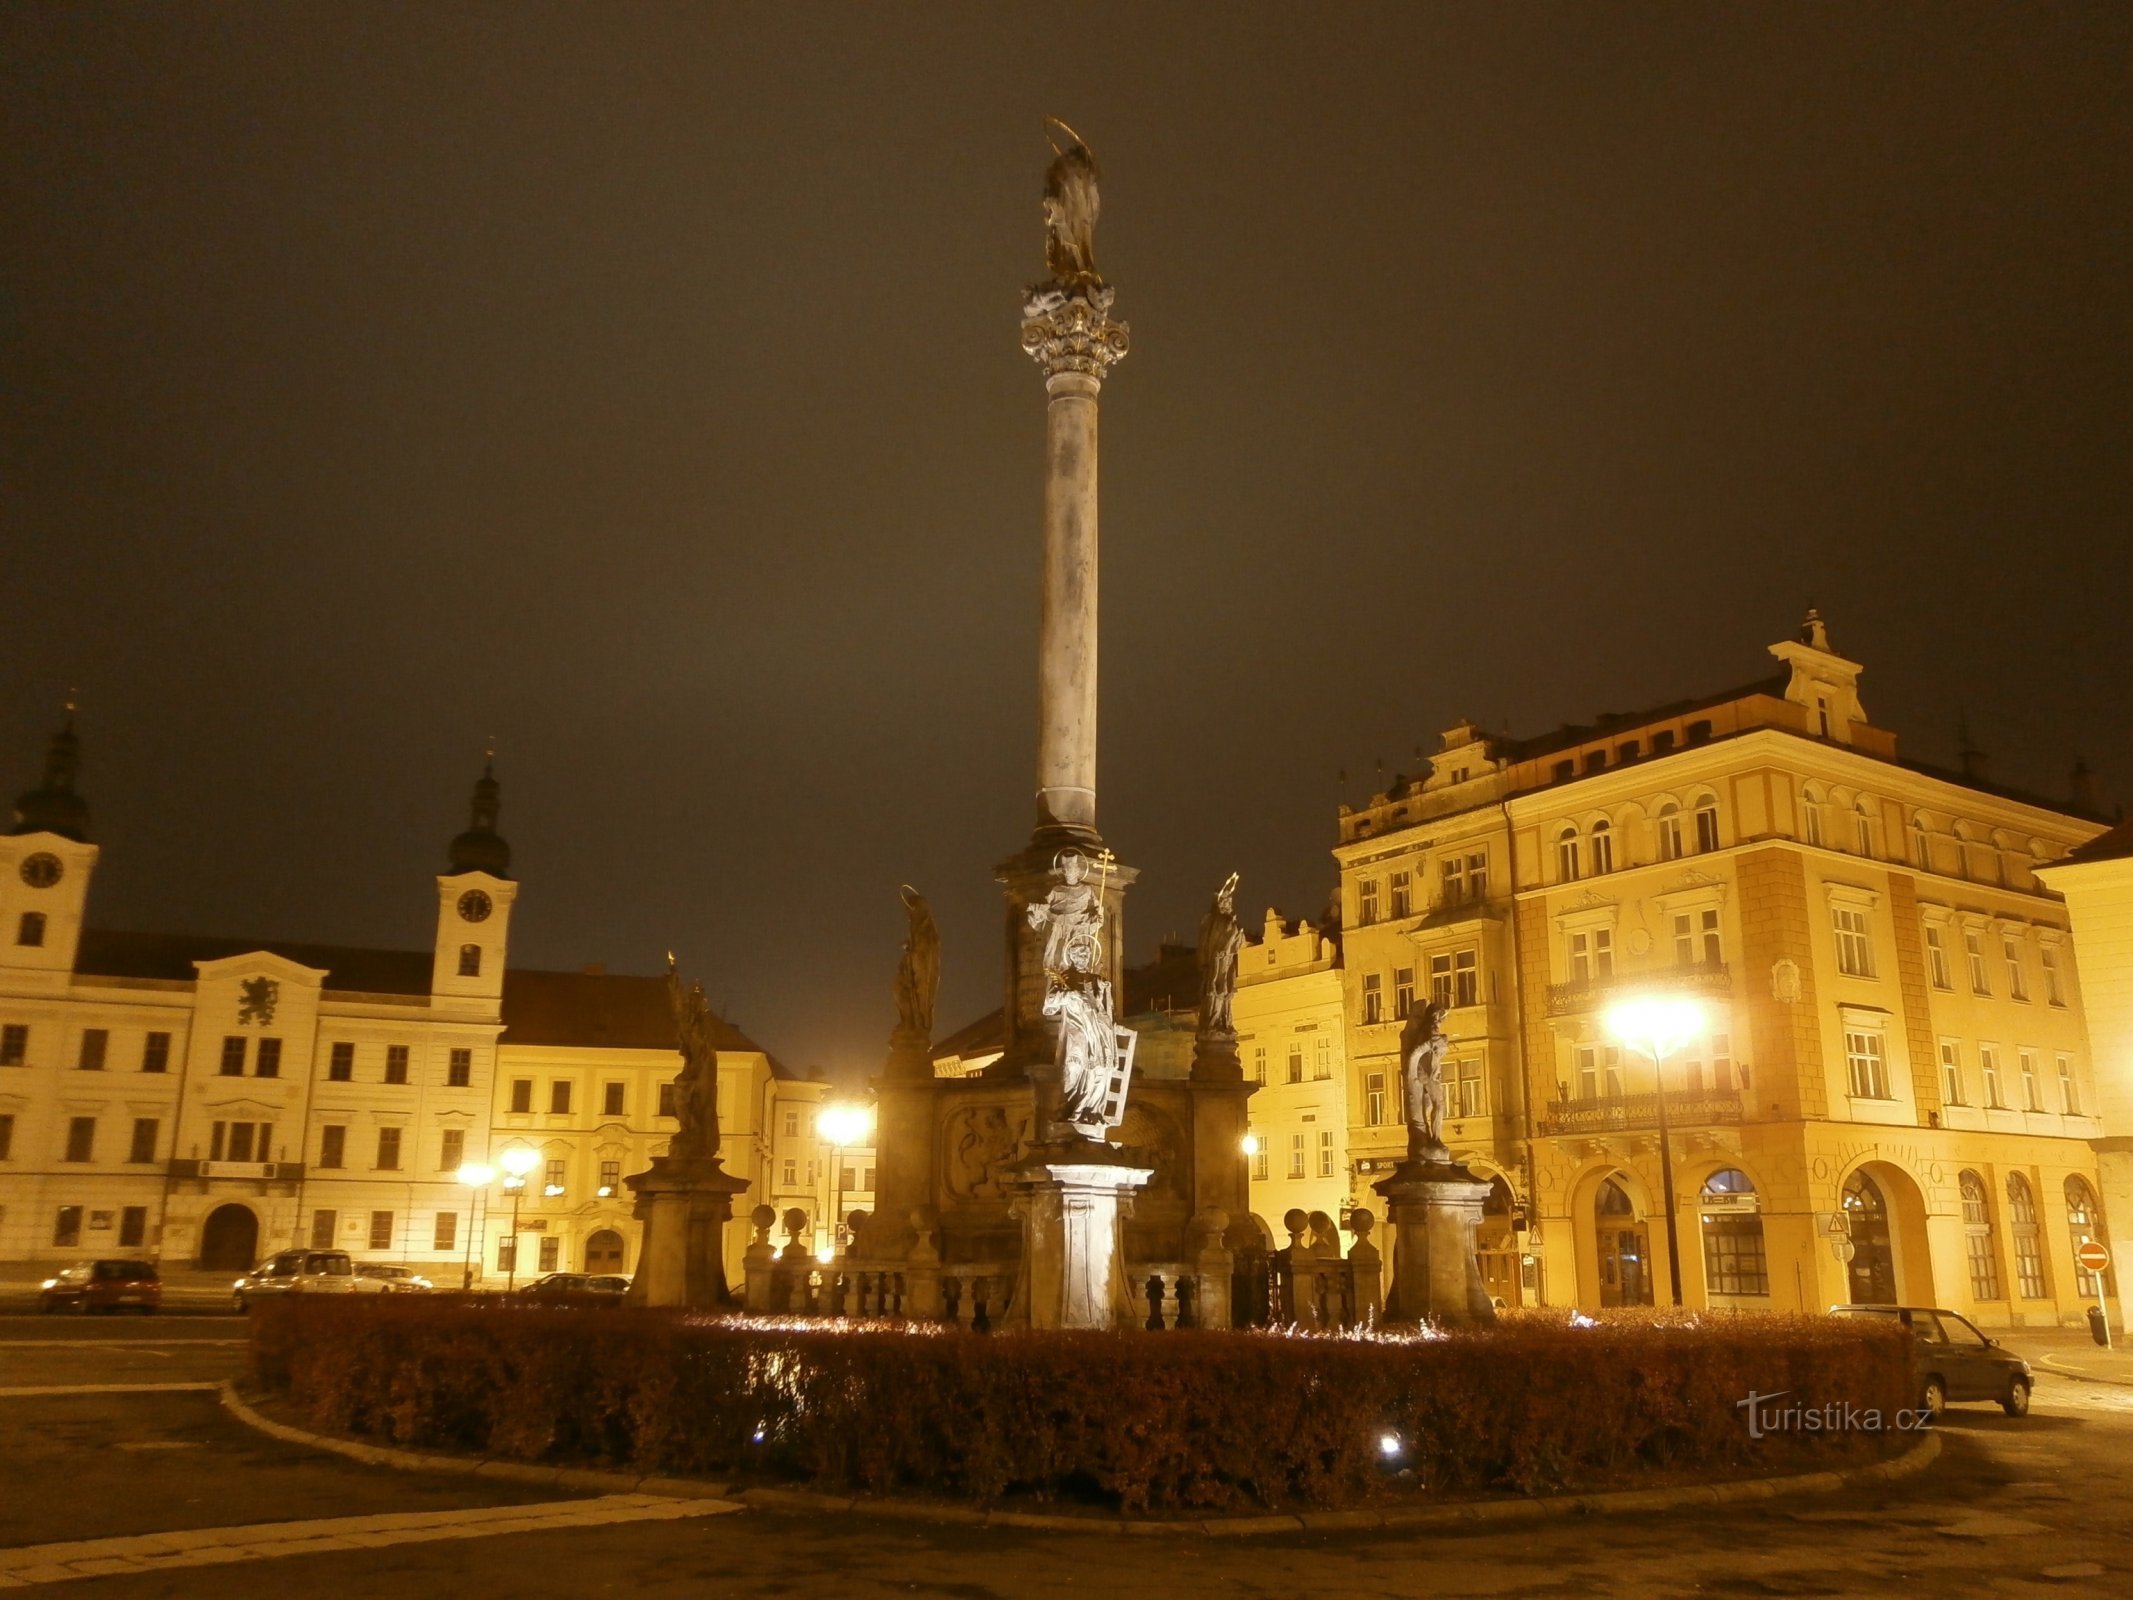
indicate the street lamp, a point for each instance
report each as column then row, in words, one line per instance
column 1656, row 1026
column 477, row 1179
column 517, row 1163
column 841, row 1126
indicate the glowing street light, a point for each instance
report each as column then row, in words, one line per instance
column 517, row 1162
column 1656, row 1026
column 840, row 1126
column 476, row 1177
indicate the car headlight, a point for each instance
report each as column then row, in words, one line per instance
column 50, row 1283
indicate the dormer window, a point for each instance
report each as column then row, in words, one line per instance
column 470, row 961
column 1565, row 770
column 1699, row 731
column 1596, row 761
column 1662, row 741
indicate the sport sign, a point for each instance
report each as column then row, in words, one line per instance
column 2092, row 1255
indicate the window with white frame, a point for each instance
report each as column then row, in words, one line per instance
column 1374, row 1098
column 1988, row 1065
column 1974, row 951
column 1864, row 1060
column 1477, row 875
column 1984, row 1260
column 1811, row 816
column 1296, row 1155
column 1707, row 826
column 1951, row 1073
column 2054, row 985
column 1599, row 1069
column 2022, row 1227
column 1855, row 948
column 1667, row 830
column 1260, row 1160
column 2032, row 1092
column 1259, row 1063
column 2069, row 1095
column 1403, row 894
column 1468, row 1097
column 1863, row 829
column 1592, row 955
column 1322, row 1059
column 1296, row 1061
column 1603, row 847
column 1373, row 997
column 1451, row 880
column 1325, row 1153
column 1696, row 938
column 1566, row 855
column 1403, row 992
column 1366, row 902
column 2011, row 953
column 1921, row 845
column 1937, row 970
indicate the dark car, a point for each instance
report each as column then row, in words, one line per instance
column 111, row 1286
column 567, row 1283
column 1953, row 1360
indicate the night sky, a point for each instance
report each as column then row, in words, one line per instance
column 640, row 385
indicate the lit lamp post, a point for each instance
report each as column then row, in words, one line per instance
column 841, row 1126
column 477, row 1179
column 1656, row 1026
column 517, row 1163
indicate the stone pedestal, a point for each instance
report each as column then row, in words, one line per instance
column 1435, row 1211
column 1071, row 1198
column 684, row 1205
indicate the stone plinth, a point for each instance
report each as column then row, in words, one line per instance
column 684, row 1205
column 1435, row 1211
column 1071, row 1198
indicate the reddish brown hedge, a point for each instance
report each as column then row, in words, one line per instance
column 1139, row 1420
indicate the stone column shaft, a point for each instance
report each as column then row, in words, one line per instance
column 1066, row 646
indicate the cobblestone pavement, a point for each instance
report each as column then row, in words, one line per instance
column 2040, row 1505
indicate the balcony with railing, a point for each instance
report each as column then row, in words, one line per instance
column 1709, row 978
column 1624, row 1113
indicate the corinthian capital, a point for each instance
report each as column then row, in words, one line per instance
column 1072, row 331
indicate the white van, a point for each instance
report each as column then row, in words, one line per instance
column 296, row 1272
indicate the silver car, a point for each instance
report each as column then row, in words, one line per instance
column 296, row 1272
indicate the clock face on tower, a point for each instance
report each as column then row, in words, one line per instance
column 474, row 906
column 42, row 870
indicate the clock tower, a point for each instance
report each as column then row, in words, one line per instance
column 45, row 861
column 474, row 909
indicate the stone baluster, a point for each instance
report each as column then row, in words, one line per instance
column 1366, row 1268
column 1303, row 1271
column 922, row 1280
column 1168, row 1282
column 759, row 1260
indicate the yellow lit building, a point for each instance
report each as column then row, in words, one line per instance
column 1893, row 1098
column 1290, row 1036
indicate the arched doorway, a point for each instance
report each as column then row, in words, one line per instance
column 229, row 1239
column 1496, row 1244
column 1625, row 1248
column 1873, row 1263
column 603, row 1252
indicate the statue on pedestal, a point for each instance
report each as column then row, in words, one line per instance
column 1070, row 208
column 1220, row 941
column 1080, row 998
column 696, row 1085
column 1422, row 1047
column 918, row 974
column 1069, row 911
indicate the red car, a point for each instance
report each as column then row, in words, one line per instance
column 104, row 1286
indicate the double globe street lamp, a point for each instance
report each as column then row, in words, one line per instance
column 1656, row 1026
column 841, row 1126
column 517, row 1162
column 477, row 1177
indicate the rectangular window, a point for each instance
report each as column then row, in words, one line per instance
column 1296, row 1061
column 143, row 1150
column 1259, row 1064
column 792, row 1173
column 381, row 1230
column 94, row 1043
column 1599, row 1071
column 1322, row 1066
column 1259, row 1164
column 1451, row 876
column 332, row 1146
column 14, row 1044
column 1855, row 950
column 2069, row 1095
column 7, row 1134
column 396, row 1063
column 1869, row 1072
column 1466, row 981
column 323, row 1224
column 611, row 1100
column 452, row 1150
column 1296, row 1155
column 556, row 1169
column 1403, row 893
column 29, row 929
column 2054, row 989
column 133, row 1227
column 1974, row 949
column 522, row 1094
column 1937, row 959
column 1373, row 997
column 1366, row 908
column 66, row 1226
column 1668, row 828
column 1477, row 875
column 445, row 1231
column 507, row 1253
column 1734, row 1261
column 269, row 1063
column 2011, row 953
column 666, row 1099
column 155, row 1053
column 470, row 961
column 233, row 1056
column 1467, row 1099
column 341, row 1062
column 792, row 1124
column 1951, row 1073
column 1707, row 829
column 1403, row 992
column 2032, row 1096
column 1440, row 981
column 559, row 1098
column 610, row 1176
column 388, row 1149
column 1325, row 1153
column 81, row 1139
column 1374, row 1098
column 1988, row 1060
column 1592, row 956
column 551, row 1252
column 459, row 1068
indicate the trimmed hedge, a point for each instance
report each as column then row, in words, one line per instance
column 1135, row 1420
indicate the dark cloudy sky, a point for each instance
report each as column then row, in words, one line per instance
column 640, row 384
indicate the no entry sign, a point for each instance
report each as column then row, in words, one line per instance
column 2092, row 1255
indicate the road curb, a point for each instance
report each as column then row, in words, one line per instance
column 1461, row 1514
column 2049, row 1365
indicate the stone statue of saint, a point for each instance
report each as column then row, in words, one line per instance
column 1071, row 909
column 1422, row 1047
column 918, row 974
column 1220, row 940
column 696, row 1085
column 1088, row 1039
column 1070, row 206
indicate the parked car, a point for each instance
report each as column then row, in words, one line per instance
column 296, row 1272
column 384, row 1277
column 104, row 1286
column 562, row 1283
column 1953, row 1360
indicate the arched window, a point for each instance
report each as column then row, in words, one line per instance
column 2084, row 1221
column 1863, row 829
column 1624, row 1253
column 1984, row 1259
column 1921, row 845
column 1566, row 855
column 1603, row 847
column 1811, row 815
column 1707, row 825
column 1667, row 827
column 2022, row 1226
column 1734, row 1262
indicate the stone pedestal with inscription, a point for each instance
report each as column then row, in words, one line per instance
column 684, row 1206
column 1435, row 1211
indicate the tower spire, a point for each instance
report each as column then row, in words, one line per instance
column 481, row 848
column 54, row 807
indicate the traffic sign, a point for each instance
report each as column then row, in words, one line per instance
column 2092, row 1255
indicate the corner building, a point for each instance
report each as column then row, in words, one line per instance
column 1893, row 1099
